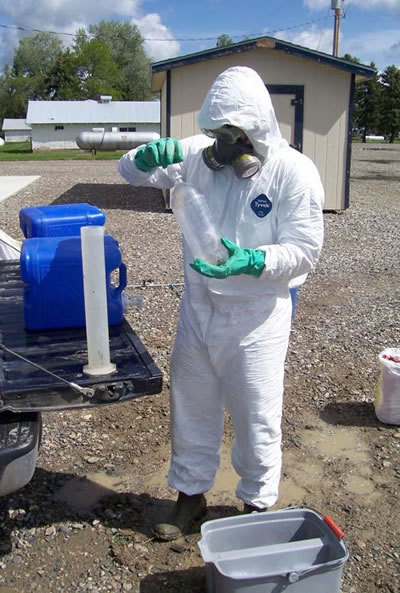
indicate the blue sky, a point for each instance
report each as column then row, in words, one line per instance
column 370, row 29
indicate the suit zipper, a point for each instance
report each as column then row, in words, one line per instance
column 223, row 216
column 209, row 325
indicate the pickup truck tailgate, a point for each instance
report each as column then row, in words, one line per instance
column 25, row 388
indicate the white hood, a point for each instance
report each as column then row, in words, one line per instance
column 239, row 97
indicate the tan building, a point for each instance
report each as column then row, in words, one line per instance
column 312, row 94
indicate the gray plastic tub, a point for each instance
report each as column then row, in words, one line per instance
column 294, row 550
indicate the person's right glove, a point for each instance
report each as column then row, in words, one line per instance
column 158, row 153
column 240, row 261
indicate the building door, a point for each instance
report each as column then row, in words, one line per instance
column 288, row 102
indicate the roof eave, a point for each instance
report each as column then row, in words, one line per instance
column 202, row 56
column 328, row 60
column 359, row 70
column 157, row 81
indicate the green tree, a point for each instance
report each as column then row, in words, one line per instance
column 97, row 72
column 110, row 60
column 351, row 58
column 126, row 45
column 14, row 91
column 62, row 81
column 224, row 40
column 36, row 54
column 390, row 110
column 367, row 105
column 33, row 59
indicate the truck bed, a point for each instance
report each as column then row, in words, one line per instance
column 24, row 388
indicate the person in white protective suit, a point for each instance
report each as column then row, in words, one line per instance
column 234, row 325
column 9, row 248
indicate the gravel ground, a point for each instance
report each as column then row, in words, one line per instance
column 84, row 522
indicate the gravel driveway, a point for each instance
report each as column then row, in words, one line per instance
column 84, row 522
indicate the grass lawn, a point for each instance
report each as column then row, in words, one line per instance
column 21, row 151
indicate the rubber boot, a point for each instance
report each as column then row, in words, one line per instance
column 249, row 508
column 185, row 512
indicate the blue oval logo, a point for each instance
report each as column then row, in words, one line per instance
column 261, row 205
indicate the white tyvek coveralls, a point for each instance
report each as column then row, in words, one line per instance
column 9, row 248
column 233, row 333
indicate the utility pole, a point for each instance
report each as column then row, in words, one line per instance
column 336, row 5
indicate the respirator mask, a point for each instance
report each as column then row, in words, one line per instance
column 231, row 147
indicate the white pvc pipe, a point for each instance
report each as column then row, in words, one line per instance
column 94, row 287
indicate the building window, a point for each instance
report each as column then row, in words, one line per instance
column 58, row 128
column 127, row 129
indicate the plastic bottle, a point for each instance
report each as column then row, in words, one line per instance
column 51, row 269
column 196, row 222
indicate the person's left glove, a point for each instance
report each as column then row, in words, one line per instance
column 158, row 153
column 240, row 261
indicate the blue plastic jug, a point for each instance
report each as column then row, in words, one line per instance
column 51, row 267
column 61, row 220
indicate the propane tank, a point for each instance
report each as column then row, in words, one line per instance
column 102, row 140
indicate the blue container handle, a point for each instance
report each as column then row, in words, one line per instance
column 122, row 279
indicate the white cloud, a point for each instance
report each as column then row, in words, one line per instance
column 381, row 47
column 390, row 4
column 313, row 38
column 8, row 42
column 316, row 4
column 61, row 16
column 152, row 28
column 366, row 4
column 62, row 12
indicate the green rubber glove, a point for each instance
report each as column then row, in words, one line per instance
column 158, row 153
column 240, row 261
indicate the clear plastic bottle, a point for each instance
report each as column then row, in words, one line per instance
column 196, row 222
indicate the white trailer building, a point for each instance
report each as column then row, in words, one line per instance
column 16, row 130
column 56, row 124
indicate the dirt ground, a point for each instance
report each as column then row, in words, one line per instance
column 84, row 522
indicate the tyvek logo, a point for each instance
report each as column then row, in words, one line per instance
column 261, row 205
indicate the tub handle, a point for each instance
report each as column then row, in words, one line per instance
column 122, row 279
column 335, row 528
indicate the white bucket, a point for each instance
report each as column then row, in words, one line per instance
column 387, row 402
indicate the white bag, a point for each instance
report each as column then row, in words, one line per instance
column 387, row 402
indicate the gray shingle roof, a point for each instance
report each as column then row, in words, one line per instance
column 72, row 112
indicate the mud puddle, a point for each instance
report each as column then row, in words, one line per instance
column 84, row 493
column 345, row 447
column 304, row 473
column 225, row 481
column 337, row 442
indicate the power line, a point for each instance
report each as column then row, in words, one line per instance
column 322, row 28
column 31, row 30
